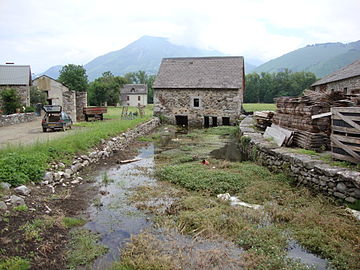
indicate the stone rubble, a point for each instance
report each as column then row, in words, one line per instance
column 22, row 190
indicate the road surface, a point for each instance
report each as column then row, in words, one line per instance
column 27, row 133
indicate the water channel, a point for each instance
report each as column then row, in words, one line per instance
column 115, row 219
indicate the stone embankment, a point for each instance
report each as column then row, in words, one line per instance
column 16, row 118
column 59, row 174
column 308, row 170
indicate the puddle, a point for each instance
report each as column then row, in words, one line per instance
column 111, row 215
column 295, row 251
column 229, row 151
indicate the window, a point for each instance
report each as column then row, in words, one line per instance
column 196, row 102
column 139, row 98
column 132, row 90
column 127, row 98
column 345, row 90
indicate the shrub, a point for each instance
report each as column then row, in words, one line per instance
column 10, row 100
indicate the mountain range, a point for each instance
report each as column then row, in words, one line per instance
column 146, row 54
column 321, row 59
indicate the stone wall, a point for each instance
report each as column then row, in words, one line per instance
column 212, row 102
column 53, row 88
column 23, row 91
column 61, row 175
column 16, row 118
column 81, row 103
column 307, row 170
column 349, row 84
column 69, row 104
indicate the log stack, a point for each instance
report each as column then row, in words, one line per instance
column 263, row 119
column 296, row 115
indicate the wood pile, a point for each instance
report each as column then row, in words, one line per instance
column 296, row 115
column 263, row 119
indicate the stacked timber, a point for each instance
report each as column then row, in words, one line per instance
column 263, row 119
column 297, row 114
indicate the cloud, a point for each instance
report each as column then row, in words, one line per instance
column 45, row 33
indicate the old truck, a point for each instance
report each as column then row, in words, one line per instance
column 95, row 113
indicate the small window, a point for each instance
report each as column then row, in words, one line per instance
column 196, row 102
column 127, row 98
column 345, row 90
column 139, row 98
column 132, row 90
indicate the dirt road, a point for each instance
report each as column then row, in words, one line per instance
column 27, row 133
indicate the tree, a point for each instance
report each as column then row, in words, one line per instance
column 74, row 77
column 37, row 96
column 10, row 100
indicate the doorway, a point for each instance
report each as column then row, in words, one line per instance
column 226, row 121
column 206, row 122
column 181, row 120
column 214, row 121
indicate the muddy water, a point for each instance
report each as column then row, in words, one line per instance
column 110, row 214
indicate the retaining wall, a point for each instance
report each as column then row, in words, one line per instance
column 16, row 118
column 307, row 170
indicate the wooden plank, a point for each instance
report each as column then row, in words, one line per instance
column 344, row 158
column 348, row 120
column 347, row 139
column 345, row 148
column 344, row 130
column 346, row 109
column 321, row 115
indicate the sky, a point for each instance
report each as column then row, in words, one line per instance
column 45, row 33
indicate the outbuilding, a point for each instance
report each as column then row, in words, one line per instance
column 133, row 95
column 200, row 91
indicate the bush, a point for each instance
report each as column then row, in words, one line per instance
column 10, row 100
column 29, row 109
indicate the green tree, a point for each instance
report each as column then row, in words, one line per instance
column 74, row 77
column 37, row 96
column 10, row 100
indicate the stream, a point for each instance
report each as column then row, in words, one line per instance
column 115, row 219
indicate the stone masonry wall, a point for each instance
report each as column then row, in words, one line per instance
column 213, row 102
column 352, row 83
column 16, row 118
column 81, row 103
column 69, row 104
column 334, row 181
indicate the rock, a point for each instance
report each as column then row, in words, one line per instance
column 61, row 173
column 79, row 178
column 339, row 195
column 57, row 176
column 74, row 182
column 93, row 154
column 61, row 165
column 357, row 193
column 49, row 176
column 85, row 157
column 22, row 190
column 67, row 175
column 350, row 199
column 16, row 200
column 85, row 163
column 341, row 187
column 68, row 171
column 76, row 167
column 3, row 206
column 5, row 186
column 44, row 183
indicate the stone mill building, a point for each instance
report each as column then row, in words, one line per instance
column 200, row 91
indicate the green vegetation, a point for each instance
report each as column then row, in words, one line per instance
column 74, row 77
column 33, row 230
column 37, row 96
column 21, row 164
column 83, row 248
column 289, row 211
column 264, row 87
column 10, row 100
column 70, row 222
column 252, row 107
column 14, row 263
column 21, row 208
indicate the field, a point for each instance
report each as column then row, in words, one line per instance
column 251, row 107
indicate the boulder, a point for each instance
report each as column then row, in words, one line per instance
column 49, row 176
column 3, row 206
column 5, row 186
column 22, row 190
column 16, row 200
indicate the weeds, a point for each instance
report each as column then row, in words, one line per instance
column 21, row 208
column 33, row 230
column 83, row 248
column 14, row 263
column 70, row 222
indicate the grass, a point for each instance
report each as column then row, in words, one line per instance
column 115, row 112
column 290, row 211
column 14, row 263
column 70, row 222
column 22, row 164
column 33, row 230
column 84, row 248
column 252, row 107
column 21, row 208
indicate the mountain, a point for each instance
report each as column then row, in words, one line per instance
column 52, row 72
column 143, row 54
column 322, row 59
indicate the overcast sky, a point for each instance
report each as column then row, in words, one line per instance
column 44, row 33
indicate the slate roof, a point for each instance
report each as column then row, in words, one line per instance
column 201, row 72
column 136, row 89
column 349, row 71
column 15, row 75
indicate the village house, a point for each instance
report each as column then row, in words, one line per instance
column 57, row 93
column 17, row 77
column 133, row 95
column 346, row 79
column 200, row 91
